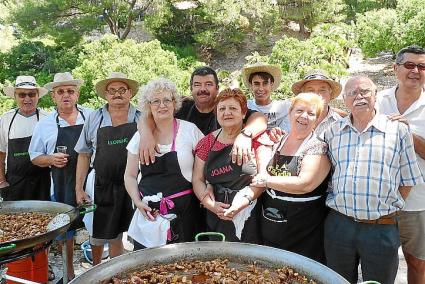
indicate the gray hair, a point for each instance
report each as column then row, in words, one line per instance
column 360, row 78
column 157, row 86
column 415, row 49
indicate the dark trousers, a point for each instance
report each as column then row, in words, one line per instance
column 348, row 242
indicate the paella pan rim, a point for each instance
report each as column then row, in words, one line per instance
column 34, row 206
column 240, row 252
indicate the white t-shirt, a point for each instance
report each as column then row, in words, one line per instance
column 386, row 103
column 277, row 113
column 188, row 136
column 22, row 126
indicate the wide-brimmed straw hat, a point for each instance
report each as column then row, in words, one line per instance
column 318, row 75
column 24, row 82
column 262, row 67
column 116, row 77
column 63, row 79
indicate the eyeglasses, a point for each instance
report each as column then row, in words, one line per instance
column 157, row 102
column 366, row 93
column 23, row 95
column 411, row 65
column 62, row 92
column 120, row 91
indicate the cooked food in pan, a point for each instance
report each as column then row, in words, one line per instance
column 214, row 271
column 17, row 226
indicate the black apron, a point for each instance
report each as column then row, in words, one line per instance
column 228, row 178
column 294, row 226
column 26, row 180
column 64, row 178
column 114, row 207
column 165, row 176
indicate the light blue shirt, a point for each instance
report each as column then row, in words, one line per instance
column 45, row 134
column 370, row 166
column 88, row 137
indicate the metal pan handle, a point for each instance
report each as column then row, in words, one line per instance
column 8, row 247
column 87, row 208
column 217, row 234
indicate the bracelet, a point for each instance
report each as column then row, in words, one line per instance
column 250, row 201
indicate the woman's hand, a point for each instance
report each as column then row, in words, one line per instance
column 145, row 210
column 260, row 180
column 216, row 207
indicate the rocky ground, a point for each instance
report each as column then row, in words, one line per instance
column 378, row 69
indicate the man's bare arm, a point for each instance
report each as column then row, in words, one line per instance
column 147, row 145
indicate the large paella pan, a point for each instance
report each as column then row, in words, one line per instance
column 239, row 253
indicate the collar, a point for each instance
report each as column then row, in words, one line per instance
column 378, row 122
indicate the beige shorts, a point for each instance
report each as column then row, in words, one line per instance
column 412, row 232
column 101, row 242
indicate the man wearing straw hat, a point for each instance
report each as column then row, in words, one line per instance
column 53, row 142
column 23, row 180
column 319, row 82
column 103, row 144
column 262, row 79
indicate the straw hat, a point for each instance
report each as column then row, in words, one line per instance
column 116, row 77
column 262, row 67
column 318, row 75
column 63, row 79
column 24, row 82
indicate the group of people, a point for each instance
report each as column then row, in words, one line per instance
column 341, row 188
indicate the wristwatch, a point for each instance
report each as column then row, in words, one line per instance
column 247, row 133
column 250, row 201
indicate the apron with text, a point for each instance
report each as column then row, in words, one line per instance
column 26, row 180
column 165, row 176
column 228, row 178
column 294, row 222
column 114, row 207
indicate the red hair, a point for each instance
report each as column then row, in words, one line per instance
column 236, row 94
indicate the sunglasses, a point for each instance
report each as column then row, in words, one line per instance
column 23, row 95
column 411, row 65
column 120, row 91
column 62, row 92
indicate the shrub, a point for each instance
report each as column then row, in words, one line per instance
column 377, row 31
column 140, row 61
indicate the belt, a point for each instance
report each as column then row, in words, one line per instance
column 390, row 219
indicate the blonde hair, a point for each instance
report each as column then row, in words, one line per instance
column 311, row 99
column 157, row 86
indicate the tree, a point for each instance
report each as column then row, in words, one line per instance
column 68, row 20
column 309, row 13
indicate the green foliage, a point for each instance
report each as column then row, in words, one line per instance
column 69, row 20
column 392, row 29
column 376, row 31
column 218, row 24
column 38, row 60
column 309, row 13
column 355, row 7
column 140, row 61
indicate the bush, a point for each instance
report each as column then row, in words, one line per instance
column 140, row 61
column 377, row 31
column 36, row 59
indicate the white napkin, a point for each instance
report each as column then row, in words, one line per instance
column 88, row 218
column 243, row 215
column 149, row 233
